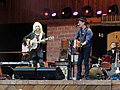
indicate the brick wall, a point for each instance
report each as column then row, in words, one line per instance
column 61, row 29
column 60, row 33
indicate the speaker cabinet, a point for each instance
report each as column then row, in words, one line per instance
column 43, row 73
column 25, row 73
column 65, row 71
column 50, row 73
column 7, row 70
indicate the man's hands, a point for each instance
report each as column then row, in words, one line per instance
column 84, row 43
column 75, row 44
column 78, row 44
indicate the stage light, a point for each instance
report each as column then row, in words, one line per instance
column 76, row 14
column 54, row 15
column 46, row 13
column 66, row 13
column 99, row 13
column 87, row 11
column 112, row 9
column 109, row 11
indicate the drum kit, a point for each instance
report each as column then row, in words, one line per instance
column 100, row 71
column 104, row 69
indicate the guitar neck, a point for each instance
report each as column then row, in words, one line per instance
column 42, row 40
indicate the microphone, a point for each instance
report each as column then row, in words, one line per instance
column 77, row 25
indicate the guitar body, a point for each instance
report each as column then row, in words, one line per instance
column 114, row 69
column 78, row 46
column 25, row 49
column 116, row 66
column 34, row 44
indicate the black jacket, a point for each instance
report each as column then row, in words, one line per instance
column 33, row 35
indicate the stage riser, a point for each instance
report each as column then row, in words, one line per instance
column 59, row 85
column 54, row 87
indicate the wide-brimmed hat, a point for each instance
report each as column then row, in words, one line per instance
column 83, row 19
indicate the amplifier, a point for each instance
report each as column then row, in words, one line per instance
column 61, row 63
column 64, row 67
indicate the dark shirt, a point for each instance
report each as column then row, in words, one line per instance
column 33, row 35
column 113, row 55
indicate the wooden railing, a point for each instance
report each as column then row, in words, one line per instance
column 115, row 18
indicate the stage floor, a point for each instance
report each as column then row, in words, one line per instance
column 59, row 85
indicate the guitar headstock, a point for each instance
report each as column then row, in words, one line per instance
column 51, row 38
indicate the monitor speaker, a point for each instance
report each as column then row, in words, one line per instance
column 7, row 70
column 42, row 73
column 25, row 73
column 52, row 73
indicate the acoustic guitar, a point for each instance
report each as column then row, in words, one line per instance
column 115, row 69
column 78, row 46
column 34, row 44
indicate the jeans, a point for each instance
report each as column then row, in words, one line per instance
column 84, row 54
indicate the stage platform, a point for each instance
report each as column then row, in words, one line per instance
column 59, row 85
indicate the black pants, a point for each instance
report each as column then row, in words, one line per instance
column 37, row 57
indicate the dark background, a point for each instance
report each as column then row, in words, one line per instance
column 11, row 36
column 99, row 44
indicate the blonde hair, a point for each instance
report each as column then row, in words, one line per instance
column 37, row 24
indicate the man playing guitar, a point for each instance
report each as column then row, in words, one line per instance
column 85, row 35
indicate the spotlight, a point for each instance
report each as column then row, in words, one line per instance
column 112, row 9
column 99, row 13
column 87, row 11
column 54, row 15
column 109, row 11
column 66, row 13
column 76, row 14
column 46, row 13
